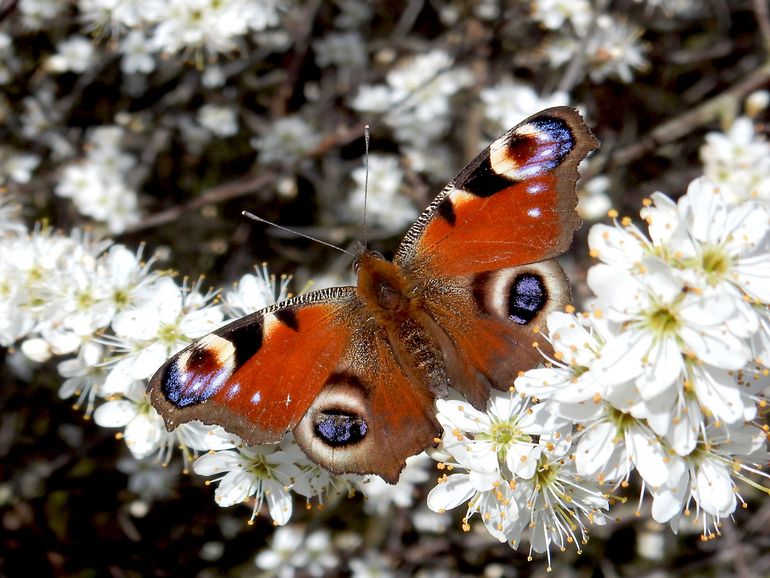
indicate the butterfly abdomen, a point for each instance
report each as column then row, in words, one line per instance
column 420, row 355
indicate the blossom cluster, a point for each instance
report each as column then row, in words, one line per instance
column 153, row 27
column 98, row 185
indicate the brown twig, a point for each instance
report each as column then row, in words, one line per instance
column 762, row 12
column 341, row 137
column 218, row 194
column 706, row 113
column 243, row 186
column 301, row 43
column 6, row 8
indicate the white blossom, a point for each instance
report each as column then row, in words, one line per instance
column 381, row 496
column 98, row 184
column 256, row 291
column 220, row 120
column 612, row 49
column 143, row 429
column 554, row 14
column 291, row 549
column 285, row 141
column 508, row 102
column 163, row 320
column 345, row 50
column 708, row 477
column 73, row 55
column 386, row 205
column 137, row 55
column 265, row 472
column 738, row 160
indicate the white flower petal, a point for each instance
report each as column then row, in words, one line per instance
column 595, row 447
column 716, row 346
column 462, row 415
column 662, row 366
column 115, row 413
column 620, row 290
column 614, row 246
column 661, row 280
column 279, row 503
column 752, row 274
column 717, row 390
column 667, row 503
column 542, row 382
column 522, row 460
column 144, row 434
column 715, row 489
column 217, row 462
column 648, row 454
column 708, row 211
column 621, row 359
column 457, row 489
column 234, row 488
column 684, row 429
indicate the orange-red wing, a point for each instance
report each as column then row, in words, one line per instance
column 514, row 204
column 257, row 376
column 492, row 320
column 369, row 417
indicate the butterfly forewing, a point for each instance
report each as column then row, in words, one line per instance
column 258, row 375
column 514, row 204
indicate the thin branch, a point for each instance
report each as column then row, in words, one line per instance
column 341, row 137
column 706, row 113
column 301, row 42
column 762, row 12
column 216, row 195
column 408, row 18
column 6, row 8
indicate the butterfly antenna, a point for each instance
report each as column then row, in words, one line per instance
column 366, row 182
column 293, row 232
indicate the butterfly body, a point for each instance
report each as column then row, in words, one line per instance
column 396, row 305
column 354, row 371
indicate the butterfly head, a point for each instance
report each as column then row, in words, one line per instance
column 364, row 256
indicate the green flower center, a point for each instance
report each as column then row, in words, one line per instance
column 503, row 434
column 662, row 320
column 120, row 298
column 545, row 473
column 169, row 334
column 85, row 300
column 621, row 420
column 259, row 469
column 144, row 407
column 716, row 263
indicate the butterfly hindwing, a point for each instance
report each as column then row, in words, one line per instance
column 369, row 416
column 513, row 204
column 492, row 320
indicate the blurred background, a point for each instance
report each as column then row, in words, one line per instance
column 155, row 123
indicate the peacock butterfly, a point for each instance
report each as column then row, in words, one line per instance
column 354, row 371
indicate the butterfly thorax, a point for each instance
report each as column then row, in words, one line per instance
column 394, row 303
column 382, row 285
